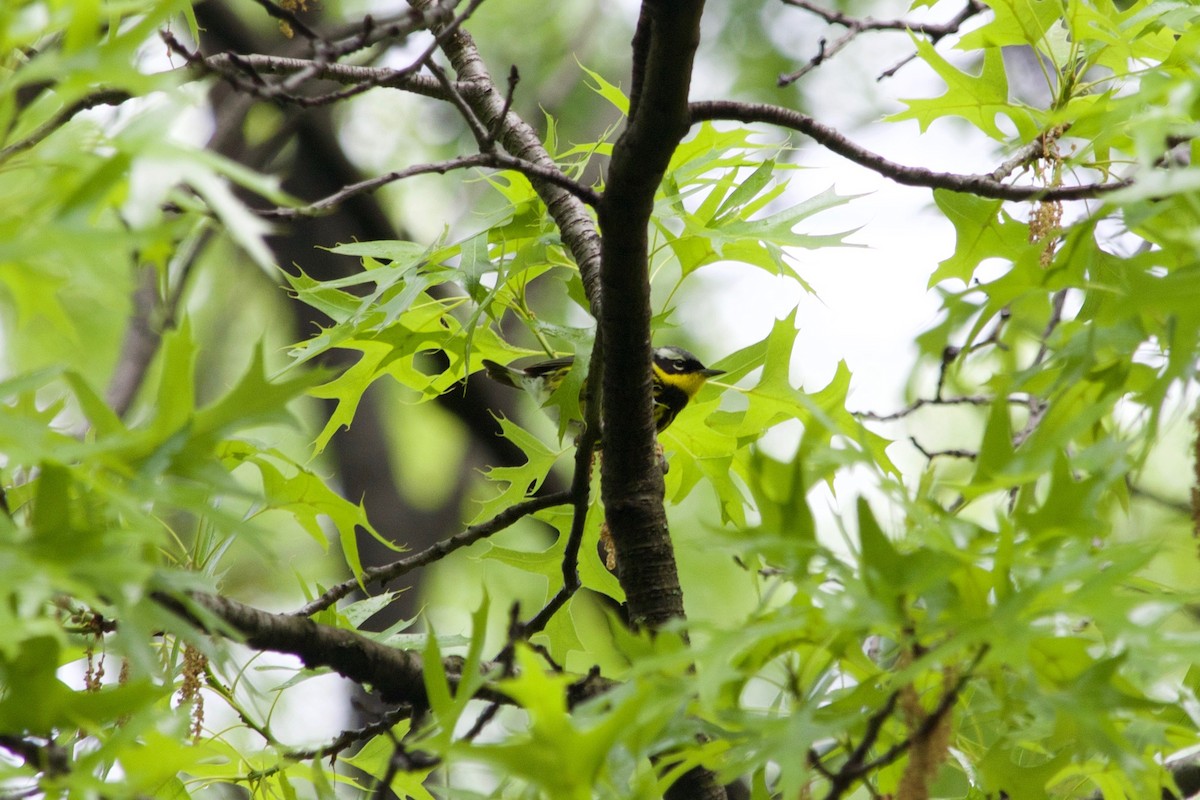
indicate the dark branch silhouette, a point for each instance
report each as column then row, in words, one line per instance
column 831, row 139
column 856, row 26
column 389, row 572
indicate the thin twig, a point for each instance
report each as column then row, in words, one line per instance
column 102, row 97
column 395, row 27
column 530, row 160
column 482, row 136
column 970, row 455
column 841, row 780
column 507, row 670
column 855, row 26
column 317, row 100
column 475, row 533
column 231, row 65
column 336, row 746
column 1142, row 493
column 1038, row 406
column 972, row 8
column 580, row 496
column 930, row 722
column 514, row 77
column 857, row 765
column 495, row 160
column 1024, row 155
column 973, row 400
column 934, row 30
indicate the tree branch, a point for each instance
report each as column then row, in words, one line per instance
column 388, row 572
column 665, row 45
column 857, row 765
column 396, row 674
column 831, row 139
column 632, row 484
column 100, row 97
column 44, row 756
column 475, row 90
column 585, row 451
column 489, row 104
column 339, row 744
column 150, row 316
column 234, row 67
column 497, row 160
column 856, row 26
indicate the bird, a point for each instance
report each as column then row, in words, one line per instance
column 677, row 377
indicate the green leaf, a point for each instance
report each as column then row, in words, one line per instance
column 608, row 91
column 881, row 563
column 983, row 230
column 29, row 675
column 520, row 481
column 437, row 686
column 175, row 398
column 996, row 450
column 774, row 400
column 1017, row 22
column 254, row 400
column 979, row 99
column 103, row 420
column 375, row 758
column 308, row 499
column 779, row 489
column 562, row 755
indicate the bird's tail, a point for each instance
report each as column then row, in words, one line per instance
column 502, row 374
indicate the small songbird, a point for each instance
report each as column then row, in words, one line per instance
column 678, row 376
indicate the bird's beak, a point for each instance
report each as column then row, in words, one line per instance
column 708, row 373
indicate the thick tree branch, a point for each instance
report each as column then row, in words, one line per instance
column 632, row 484
column 631, row 479
column 831, row 139
column 491, row 107
column 44, row 755
column 395, row 674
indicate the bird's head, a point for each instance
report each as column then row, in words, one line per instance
column 677, row 367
